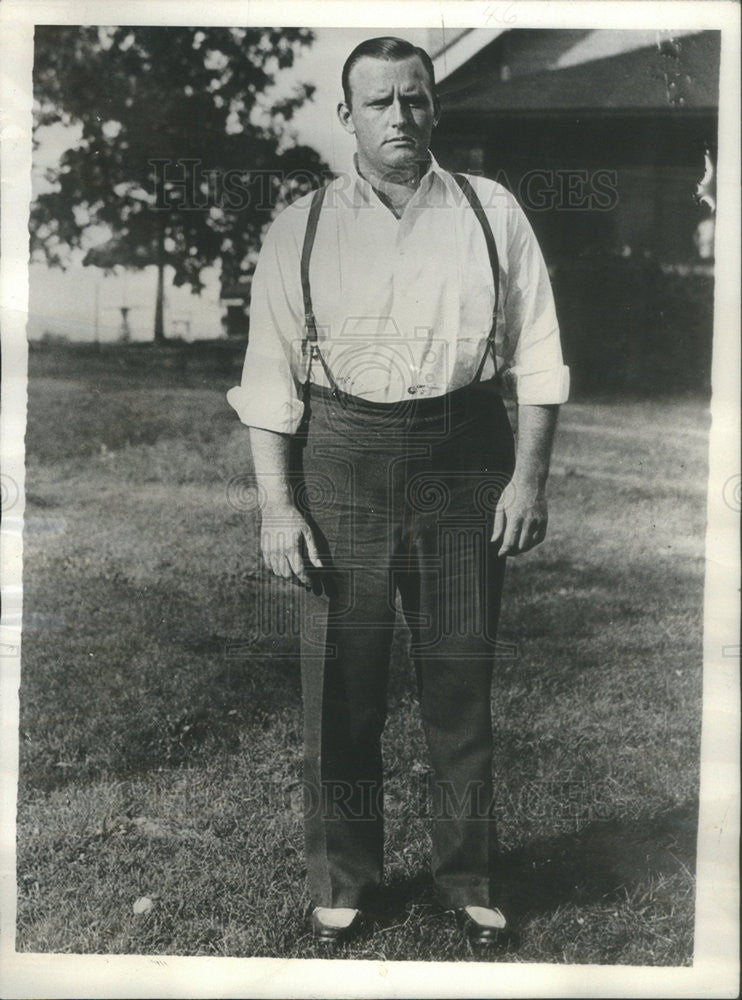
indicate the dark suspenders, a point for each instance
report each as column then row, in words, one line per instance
column 310, row 323
column 473, row 199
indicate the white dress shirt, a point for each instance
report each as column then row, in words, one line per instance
column 403, row 306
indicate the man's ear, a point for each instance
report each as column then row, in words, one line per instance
column 436, row 111
column 346, row 118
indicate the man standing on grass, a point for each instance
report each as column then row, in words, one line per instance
column 389, row 310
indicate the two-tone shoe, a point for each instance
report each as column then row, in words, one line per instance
column 335, row 925
column 484, row 927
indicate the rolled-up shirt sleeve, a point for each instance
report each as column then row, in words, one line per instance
column 270, row 393
column 532, row 349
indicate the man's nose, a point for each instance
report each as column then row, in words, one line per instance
column 398, row 113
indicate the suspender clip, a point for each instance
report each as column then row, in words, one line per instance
column 310, row 332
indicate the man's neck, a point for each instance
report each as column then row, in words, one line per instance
column 395, row 188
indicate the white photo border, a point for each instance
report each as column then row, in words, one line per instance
column 715, row 970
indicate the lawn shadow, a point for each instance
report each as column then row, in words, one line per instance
column 600, row 863
column 393, row 901
column 604, row 861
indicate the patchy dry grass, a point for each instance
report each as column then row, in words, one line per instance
column 159, row 762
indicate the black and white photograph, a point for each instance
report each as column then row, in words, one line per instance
column 371, row 494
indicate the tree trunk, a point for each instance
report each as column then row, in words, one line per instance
column 160, row 301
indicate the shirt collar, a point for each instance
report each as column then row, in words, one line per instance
column 363, row 192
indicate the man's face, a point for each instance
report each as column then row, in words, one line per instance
column 392, row 113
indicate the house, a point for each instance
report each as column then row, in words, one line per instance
column 604, row 136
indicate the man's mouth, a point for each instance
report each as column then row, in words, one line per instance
column 402, row 139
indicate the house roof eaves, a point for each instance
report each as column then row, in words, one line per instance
column 458, row 52
column 639, row 80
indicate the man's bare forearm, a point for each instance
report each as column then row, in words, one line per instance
column 270, row 453
column 286, row 540
column 536, row 426
column 521, row 516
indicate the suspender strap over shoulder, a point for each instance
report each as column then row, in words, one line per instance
column 473, row 198
column 310, row 324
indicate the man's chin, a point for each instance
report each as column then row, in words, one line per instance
column 403, row 158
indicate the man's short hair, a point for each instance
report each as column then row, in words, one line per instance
column 386, row 47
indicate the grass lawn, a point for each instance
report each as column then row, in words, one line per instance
column 160, row 730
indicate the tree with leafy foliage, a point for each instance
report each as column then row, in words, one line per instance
column 183, row 156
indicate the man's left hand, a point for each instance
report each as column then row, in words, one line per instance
column 520, row 520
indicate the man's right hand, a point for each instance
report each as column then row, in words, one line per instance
column 285, row 537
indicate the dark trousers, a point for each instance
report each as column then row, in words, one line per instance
column 401, row 498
